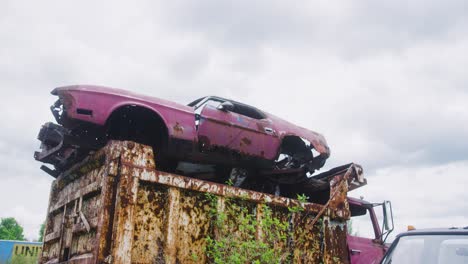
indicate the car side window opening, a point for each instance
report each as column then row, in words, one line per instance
column 207, row 101
column 200, row 105
column 214, row 103
column 239, row 108
column 247, row 111
column 361, row 222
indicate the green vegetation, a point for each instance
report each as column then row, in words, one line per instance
column 10, row 229
column 241, row 235
column 41, row 232
column 298, row 208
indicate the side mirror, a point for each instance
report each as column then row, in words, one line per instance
column 226, row 106
column 388, row 218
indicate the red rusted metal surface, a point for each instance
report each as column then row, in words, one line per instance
column 115, row 207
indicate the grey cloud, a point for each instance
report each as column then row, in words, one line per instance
column 351, row 29
column 239, row 23
column 386, row 83
column 387, row 105
column 427, row 196
column 424, row 19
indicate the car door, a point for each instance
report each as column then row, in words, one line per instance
column 220, row 130
column 364, row 250
column 365, row 244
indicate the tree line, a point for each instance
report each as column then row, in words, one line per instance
column 10, row 229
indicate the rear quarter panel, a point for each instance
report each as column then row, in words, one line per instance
column 179, row 119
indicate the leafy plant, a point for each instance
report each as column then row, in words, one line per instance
column 298, row 208
column 10, row 229
column 41, row 232
column 240, row 236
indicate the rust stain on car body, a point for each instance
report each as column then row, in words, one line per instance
column 235, row 128
column 246, row 141
column 178, row 129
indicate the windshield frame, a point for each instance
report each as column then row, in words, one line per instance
column 453, row 233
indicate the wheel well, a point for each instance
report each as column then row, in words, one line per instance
column 138, row 124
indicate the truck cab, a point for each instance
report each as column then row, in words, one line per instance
column 366, row 234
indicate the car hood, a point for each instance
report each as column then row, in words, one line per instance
column 114, row 92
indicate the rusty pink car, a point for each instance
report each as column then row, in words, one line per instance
column 210, row 130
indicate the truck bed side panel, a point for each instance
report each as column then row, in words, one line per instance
column 115, row 207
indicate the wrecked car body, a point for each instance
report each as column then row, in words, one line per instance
column 210, row 130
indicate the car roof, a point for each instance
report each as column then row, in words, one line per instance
column 221, row 99
column 436, row 231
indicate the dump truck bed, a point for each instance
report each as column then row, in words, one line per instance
column 116, row 207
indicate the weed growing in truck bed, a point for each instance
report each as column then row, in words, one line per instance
column 244, row 232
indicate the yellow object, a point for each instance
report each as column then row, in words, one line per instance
column 24, row 253
column 410, row 228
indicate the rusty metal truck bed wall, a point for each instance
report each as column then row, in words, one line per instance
column 115, row 207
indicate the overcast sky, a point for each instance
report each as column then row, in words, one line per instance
column 385, row 81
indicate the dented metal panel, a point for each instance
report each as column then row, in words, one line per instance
column 115, row 207
column 211, row 130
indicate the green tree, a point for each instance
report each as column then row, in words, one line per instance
column 41, row 232
column 10, row 229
